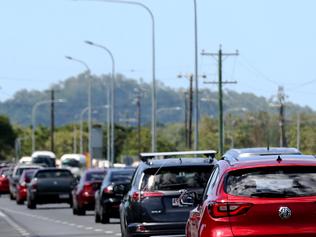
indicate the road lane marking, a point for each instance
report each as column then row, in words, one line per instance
column 18, row 228
column 88, row 228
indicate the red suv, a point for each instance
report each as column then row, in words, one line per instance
column 257, row 196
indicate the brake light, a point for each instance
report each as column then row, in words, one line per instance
column 225, row 209
column 138, row 196
column 87, row 189
column 108, row 189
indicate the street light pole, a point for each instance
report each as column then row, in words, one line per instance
column 196, row 128
column 89, row 104
column 154, row 96
column 35, row 106
column 111, row 102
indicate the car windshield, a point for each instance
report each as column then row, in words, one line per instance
column 54, row 174
column 121, row 176
column 71, row 163
column 272, row 182
column 44, row 160
column 175, row 178
column 95, row 176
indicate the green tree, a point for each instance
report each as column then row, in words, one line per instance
column 7, row 138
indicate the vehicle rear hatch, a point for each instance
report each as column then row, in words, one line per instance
column 161, row 189
column 279, row 201
column 54, row 181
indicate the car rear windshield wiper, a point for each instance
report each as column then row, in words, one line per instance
column 275, row 194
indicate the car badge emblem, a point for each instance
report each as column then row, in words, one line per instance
column 285, row 213
column 55, row 182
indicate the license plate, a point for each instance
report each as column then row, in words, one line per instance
column 175, row 202
column 64, row 196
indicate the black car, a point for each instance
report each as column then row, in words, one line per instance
column 152, row 205
column 108, row 198
column 50, row 185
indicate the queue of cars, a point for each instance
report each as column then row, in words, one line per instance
column 249, row 192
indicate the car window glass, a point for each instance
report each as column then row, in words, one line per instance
column 213, row 180
column 95, row 176
column 272, row 182
column 209, row 183
column 121, row 176
column 176, row 178
column 54, row 174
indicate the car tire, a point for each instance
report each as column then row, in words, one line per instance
column 19, row 201
column 97, row 217
column 124, row 228
column 105, row 219
column 31, row 204
column 74, row 211
column 81, row 211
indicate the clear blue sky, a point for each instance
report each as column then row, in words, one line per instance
column 276, row 40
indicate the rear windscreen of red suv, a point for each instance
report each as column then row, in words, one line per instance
column 272, row 182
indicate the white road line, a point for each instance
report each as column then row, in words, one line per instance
column 18, row 228
column 55, row 221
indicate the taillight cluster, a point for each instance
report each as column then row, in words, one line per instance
column 108, row 189
column 138, row 196
column 87, row 189
column 226, row 209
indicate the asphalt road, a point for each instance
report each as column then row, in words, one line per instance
column 50, row 221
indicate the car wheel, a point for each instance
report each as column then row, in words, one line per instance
column 97, row 217
column 74, row 210
column 104, row 216
column 19, row 201
column 31, row 204
column 81, row 211
column 124, row 228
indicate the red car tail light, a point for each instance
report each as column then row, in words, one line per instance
column 87, row 189
column 138, row 196
column 108, row 189
column 226, row 209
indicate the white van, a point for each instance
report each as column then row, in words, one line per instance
column 76, row 163
column 44, row 158
column 25, row 160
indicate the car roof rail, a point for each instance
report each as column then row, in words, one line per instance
column 165, row 155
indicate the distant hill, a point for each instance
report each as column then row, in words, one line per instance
column 74, row 91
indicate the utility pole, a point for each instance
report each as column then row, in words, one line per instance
column 186, row 118
column 52, row 121
column 138, row 105
column 189, row 120
column 219, row 57
column 281, row 100
column 298, row 131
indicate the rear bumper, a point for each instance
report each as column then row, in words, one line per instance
column 4, row 189
column 87, row 202
column 170, row 228
column 45, row 198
